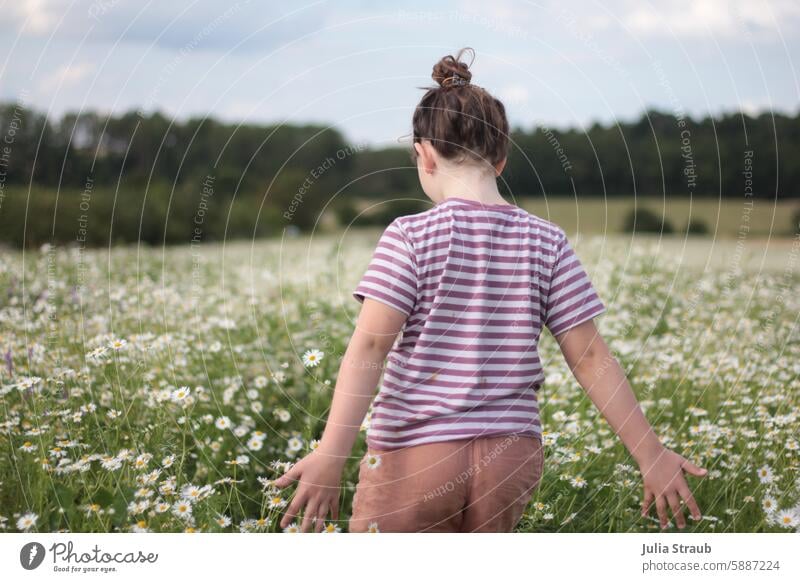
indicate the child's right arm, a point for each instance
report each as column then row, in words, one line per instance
column 319, row 473
column 604, row 381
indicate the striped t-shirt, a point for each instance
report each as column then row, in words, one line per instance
column 477, row 282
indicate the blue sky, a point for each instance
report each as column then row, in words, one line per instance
column 357, row 65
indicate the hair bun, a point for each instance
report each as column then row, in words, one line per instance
column 451, row 71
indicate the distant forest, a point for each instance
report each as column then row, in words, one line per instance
column 93, row 179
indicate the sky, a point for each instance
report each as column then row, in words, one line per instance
column 358, row 66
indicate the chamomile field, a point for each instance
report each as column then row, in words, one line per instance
column 162, row 389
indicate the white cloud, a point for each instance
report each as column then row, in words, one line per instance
column 34, row 16
column 695, row 18
column 66, row 75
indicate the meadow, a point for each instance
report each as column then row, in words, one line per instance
column 162, row 389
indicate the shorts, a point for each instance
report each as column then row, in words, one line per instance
column 480, row 484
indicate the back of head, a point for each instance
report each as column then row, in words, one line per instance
column 462, row 120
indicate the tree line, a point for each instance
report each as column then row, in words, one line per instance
column 95, row 178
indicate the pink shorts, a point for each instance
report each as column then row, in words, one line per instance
column 481, row 484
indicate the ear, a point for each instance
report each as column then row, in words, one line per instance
column 500, row 166
column 426, row 156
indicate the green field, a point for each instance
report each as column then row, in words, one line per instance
column 160, row 389
column 725, row 218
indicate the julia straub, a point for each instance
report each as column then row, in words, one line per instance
column 658, row 548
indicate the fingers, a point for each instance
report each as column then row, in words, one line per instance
column 690, row 502
column 321, row 513
column 693, row 469
column 646, row 502
column 287, row 477
column 677, row 510
column 661, row 509
column 309, row 513
column 335, row 509
column 293, row 509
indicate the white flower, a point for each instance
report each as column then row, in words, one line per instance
column 765, row 474
column 372, row 527
column 191, row 492
column 260, row 381
column 294, row 444
column 312, row 357
column 787, row 518
column 27, row 521
column 277, row 502
column 180, row 394
column 118, row 344
column 283, row 415
column 255, row 444
column 182, row 509
column 331, row 528
column 578, row 482
column 223, row 422
column 372, row 461
column 768, row 504
column 293, row 528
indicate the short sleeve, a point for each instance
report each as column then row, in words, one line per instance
column 391, row 276
column 571, row 299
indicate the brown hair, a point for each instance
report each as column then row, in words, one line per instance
column 460, row 119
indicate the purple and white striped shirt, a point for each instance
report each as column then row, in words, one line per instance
column 477, row 282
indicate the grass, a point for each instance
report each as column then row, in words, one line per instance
column 137, row 379
column 724, row 218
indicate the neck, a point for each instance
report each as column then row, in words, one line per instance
column 472, row 184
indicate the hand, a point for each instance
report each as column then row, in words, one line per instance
column 662, row 474
column 317, row 493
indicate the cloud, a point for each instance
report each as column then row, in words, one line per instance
column 36, row 17
column 698, row 18
column 66, row 75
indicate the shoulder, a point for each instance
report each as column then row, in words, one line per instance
column 415, row 227
column 548, row 230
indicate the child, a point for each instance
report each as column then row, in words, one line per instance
column 454, row 440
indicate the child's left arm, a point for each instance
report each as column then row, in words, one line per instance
column 601, row 376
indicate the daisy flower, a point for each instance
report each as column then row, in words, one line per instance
column 260, row 382
column 223, row 422
column 141, row 461
column 277, row 502
column 787, row 518
column 331, row 528
column 255, row 444
column 294, row 444
column 372, row 461
column 223, row 521
column 292, row 528
column 373, row 527
column 191, row 492
column 578, row 482
column 182, row 509
column 27, row 521
column 180, row 394
column 118, row 344
column 28, row 447
column 312, row 357
column 765, row 474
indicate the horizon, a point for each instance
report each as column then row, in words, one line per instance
column 358, row 67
